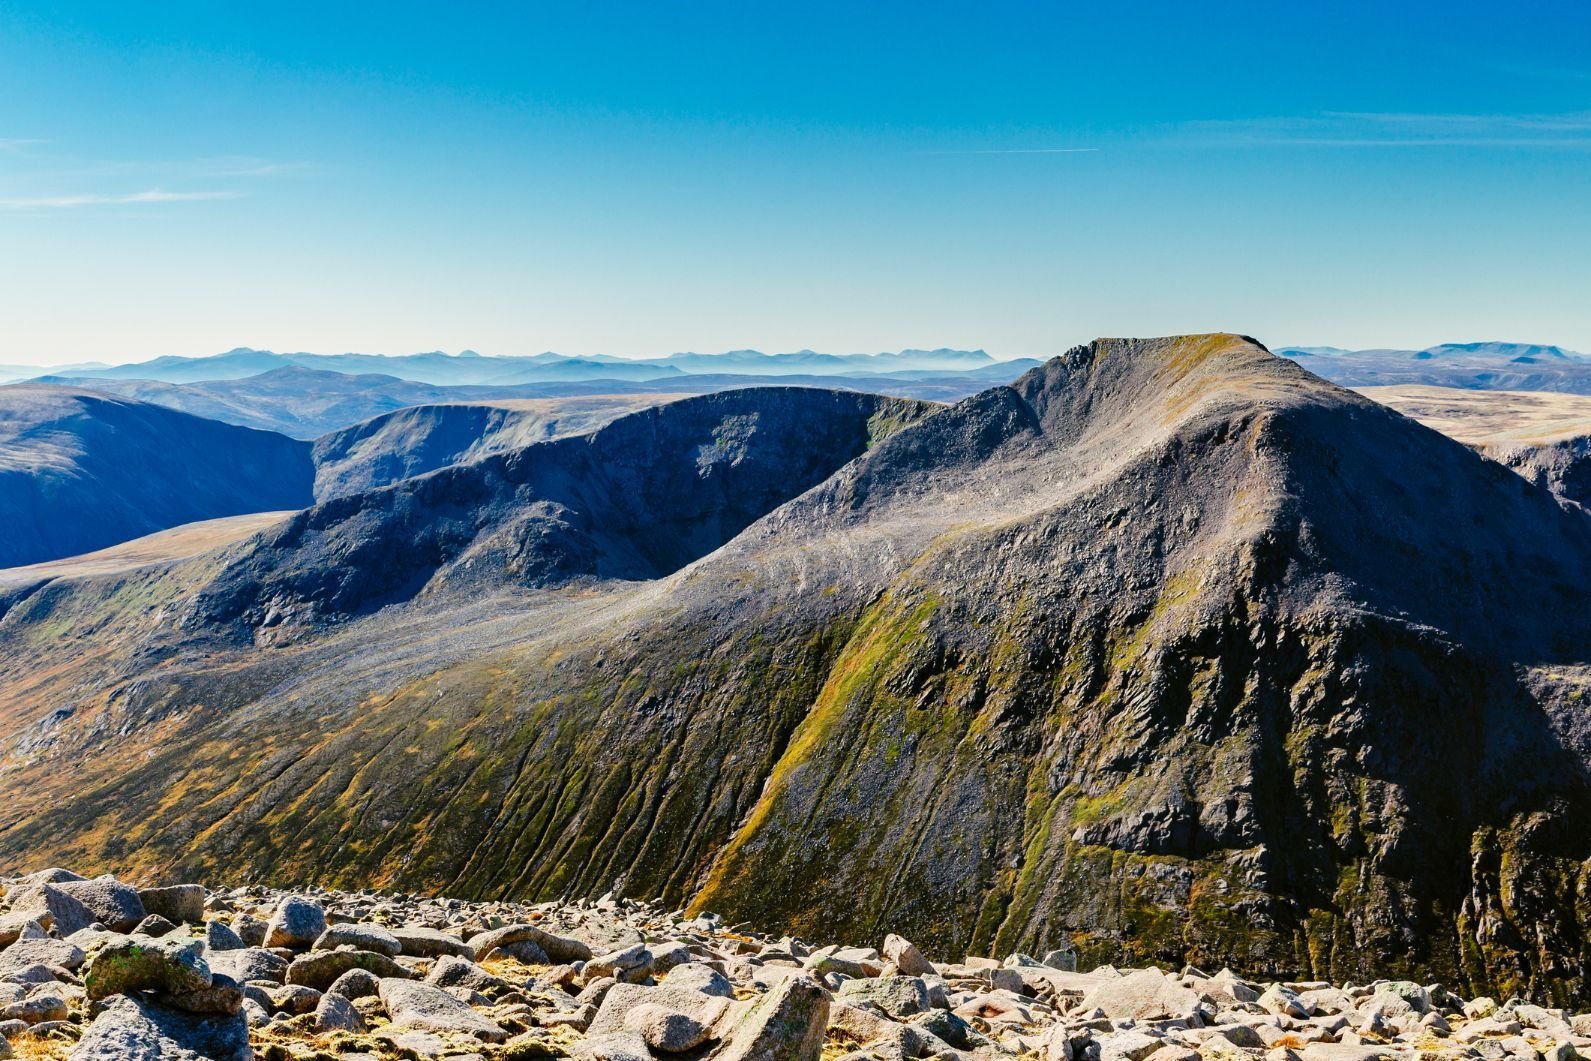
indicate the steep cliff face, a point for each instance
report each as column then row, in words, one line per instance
column 80, row 471
column 1170, row 650
column 1562, row 466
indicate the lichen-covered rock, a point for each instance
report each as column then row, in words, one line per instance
column 786, row 1025
column 172, row 965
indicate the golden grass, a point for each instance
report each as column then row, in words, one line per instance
column 33, row 1048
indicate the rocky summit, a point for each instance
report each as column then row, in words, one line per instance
column 1169, row 653
column 101, row 970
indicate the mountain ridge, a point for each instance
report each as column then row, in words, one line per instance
column 1151, row 653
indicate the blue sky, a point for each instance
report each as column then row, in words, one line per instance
column 640, row 178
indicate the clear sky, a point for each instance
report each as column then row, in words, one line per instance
column 640, row 178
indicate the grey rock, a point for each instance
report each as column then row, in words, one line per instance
column 907, row 958
column 1284, row 1002
column 355, row 983
column 420, row 1006
column 694, row 976
column 1129, row 1045
column 51, row 953
column 1064, row 959
column 250, row 963
column 35, row 1009
column 449, row 971
column 621, row 1046
column 557, row 948
column 320, row 969
column 619, row 999
column 294, row 998
column 15, row 923
column 631, row 965
column 431, row 943
column 664, row 1029
column 251, row 930
column 895, row 996
column 1148, row 994
column 335, row 1013
column 154, row 926
column 666, row 955
column 526, row 950
column 224, row 996
column 360, row 937
column 130, row 1028
column 951, row 1029
column 177, row 903
column 297, row 924
column 786, row 1025
column 110, row 902
column 218, row 936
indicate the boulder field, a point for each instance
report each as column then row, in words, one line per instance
column 103, row 970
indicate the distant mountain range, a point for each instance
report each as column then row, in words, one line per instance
column 1472, row 366
column 941, row 374
column 308, row 402
column 471, row 368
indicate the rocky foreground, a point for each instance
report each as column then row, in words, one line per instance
column 101, row 969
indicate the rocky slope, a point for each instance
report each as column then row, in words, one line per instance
column 99, row 970
column 1168, row 652
column 79, row 471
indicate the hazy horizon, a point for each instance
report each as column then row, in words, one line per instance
column 994, row 354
